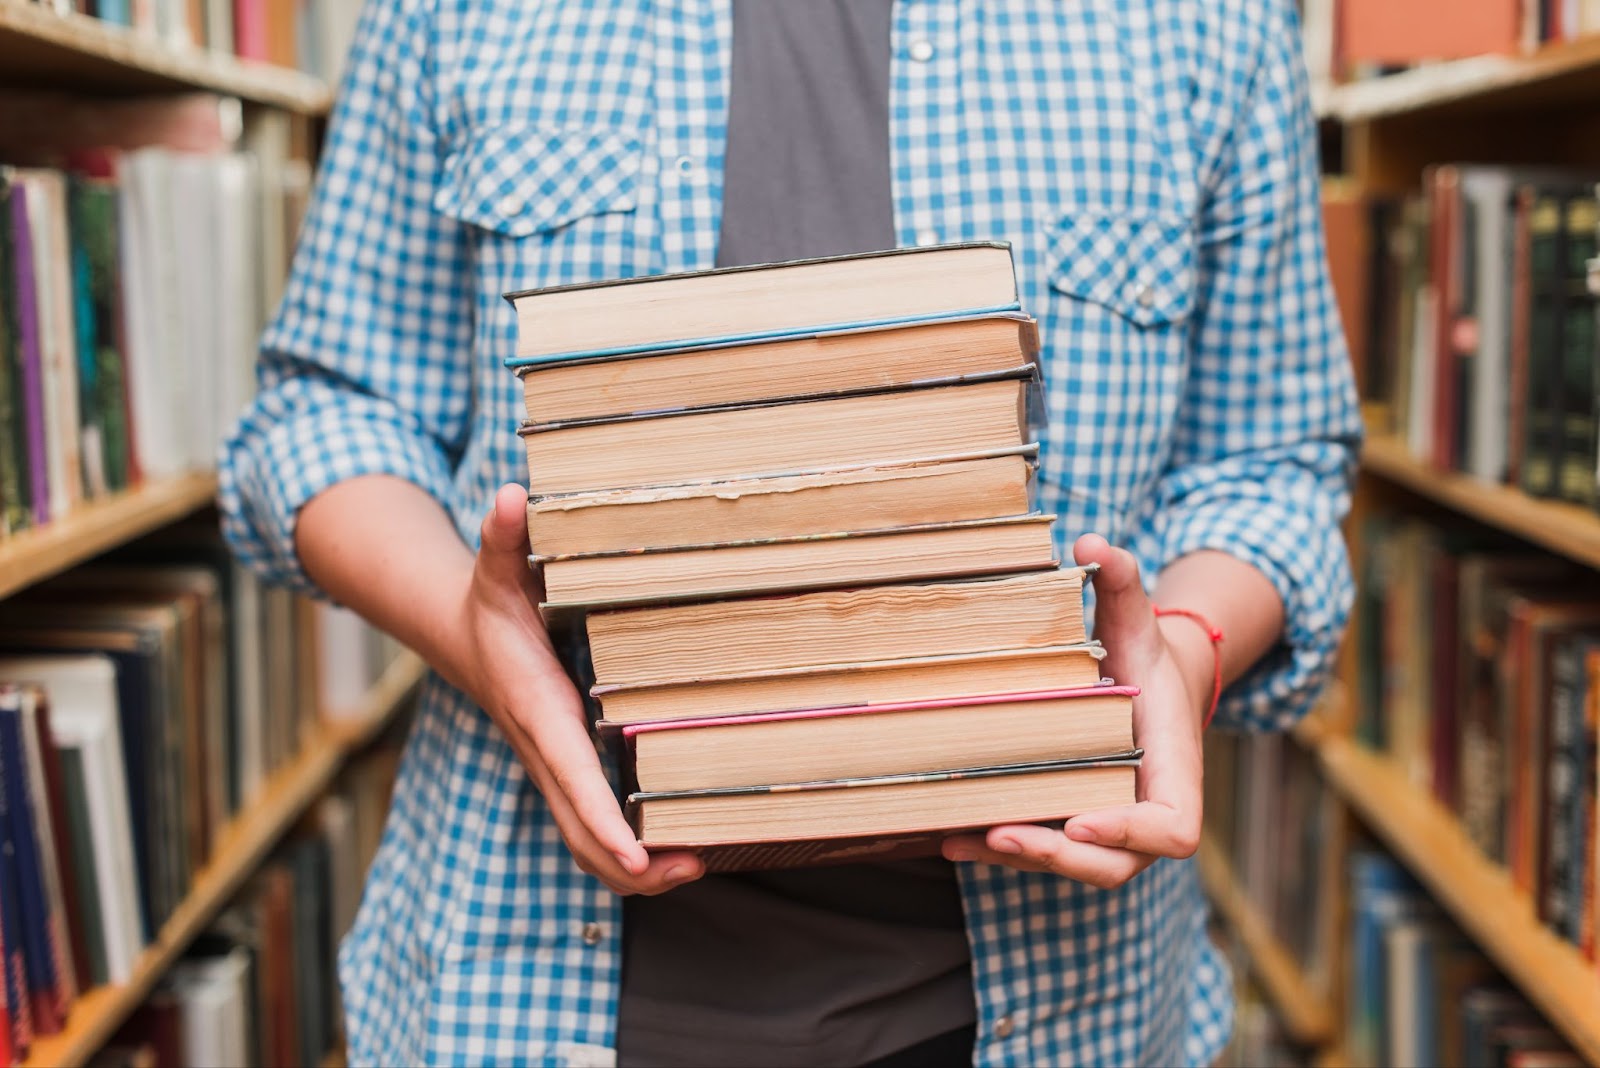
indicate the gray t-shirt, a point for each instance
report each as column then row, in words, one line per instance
column 827, row 966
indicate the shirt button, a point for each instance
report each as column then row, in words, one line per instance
column 922, row 51
column 685, row 165
column 1145, row 297
column 1004, row 1027
column 593, row 933
column 927, row 237
column 511, row 206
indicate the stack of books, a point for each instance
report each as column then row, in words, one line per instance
column 782, row 516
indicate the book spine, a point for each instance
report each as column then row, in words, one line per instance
column 45, row 1007
column 44, row 783
column 90, row 917
column 250, row 36
column 1588, row 832
column 25, row 296
column 1538, row 456
column 81, row 221
column 1561, row 793
column 13, row 435
column 1577, row 475
column 15, row 963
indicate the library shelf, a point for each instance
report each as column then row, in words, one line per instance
column 1306, row 1014
column 1477, row 893
column 1567, row 529
column 41, row 48
column 97, row 526
column 95, row 1016
column 1555, row 74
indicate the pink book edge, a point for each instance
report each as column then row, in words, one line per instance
column 631, row 729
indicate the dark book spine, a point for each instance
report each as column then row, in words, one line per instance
column 30, row 358
column 12, row 925
column 95, row 247
column 14, row 496
column 1561, row 783
column 60, row 835
column 80, row 219
column 1576, row 476
column 1544, row 267
column 88, row 919
column 44, row 1003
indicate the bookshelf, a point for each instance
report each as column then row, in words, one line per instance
column 1306, row 1013
column 41, row 49
column 38, row 553
column 1478, row 894
column 97, row 1013
column 1565, row 529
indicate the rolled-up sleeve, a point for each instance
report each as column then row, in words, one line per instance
column 1266, row 436
column 365, row 369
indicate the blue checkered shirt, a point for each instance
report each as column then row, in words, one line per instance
column 1152, row 163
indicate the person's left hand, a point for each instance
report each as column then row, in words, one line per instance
column 1108, row 847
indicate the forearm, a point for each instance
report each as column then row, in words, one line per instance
column 1236, row 598
column 386, row 549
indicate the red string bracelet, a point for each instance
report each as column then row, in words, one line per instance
column 1215, row 634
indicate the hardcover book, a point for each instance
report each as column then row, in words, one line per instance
column 863, row 741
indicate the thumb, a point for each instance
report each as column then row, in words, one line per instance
column 1122, row 613
column 503, row 548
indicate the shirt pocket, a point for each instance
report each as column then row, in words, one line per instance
column 522, row 179
column 1139, row 265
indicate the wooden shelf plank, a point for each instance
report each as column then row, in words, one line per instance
column 1567, row 529
column 1559, row 73
column 97, row 1014
column 1478, row 894
column 33, row 555
column 1306, row 1014
column 41, row 49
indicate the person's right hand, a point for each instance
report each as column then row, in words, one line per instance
column 509, row 667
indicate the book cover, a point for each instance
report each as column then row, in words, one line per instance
column 43, row 779
column 45, row 1007
column 13, row 925
column 93, row 229
column 16, row 512
column 570, row 305
column 89, row 917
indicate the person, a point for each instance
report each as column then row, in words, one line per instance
column 1152, row 164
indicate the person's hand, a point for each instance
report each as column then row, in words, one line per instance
column 509, row 667
column 1172, row 668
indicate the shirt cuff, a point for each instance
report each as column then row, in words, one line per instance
column 276, row 461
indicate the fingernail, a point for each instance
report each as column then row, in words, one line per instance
column 1081, row 834
column 678, row 873
column 1006, row 845
column 627, row 861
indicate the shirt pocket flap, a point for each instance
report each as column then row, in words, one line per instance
column 1138, row 265
column 523, row 179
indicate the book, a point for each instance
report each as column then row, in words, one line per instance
column 752, row 509
column 47, row 1007
column 44, row 783
column 898, row 809
column 213, row 1002
column 87, row 918
column 916, row 678
column 807, row 364
column 24, row 307
column 779, row 437
column 864, row 741
column 636, row 645
column 765, row 301
column 949, row 550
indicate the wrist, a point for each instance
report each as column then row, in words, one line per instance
column 1191, row 648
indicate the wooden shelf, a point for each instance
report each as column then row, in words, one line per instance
column 96, row 1015
column 40, row 49
column 33, row 555
column 1558, row 74
column 1306, row 1014
column 1567, row 529
column 1478, row 894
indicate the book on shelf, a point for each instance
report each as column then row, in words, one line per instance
column 141, row 246
column 863, row 741
column 782, row 518
column 1481, row 684
column 1421, row 993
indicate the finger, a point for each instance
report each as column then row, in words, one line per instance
column 1045, row 849
column 1122, row 612
column 567, row 753
column 1148, row 827
column 503, row 537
